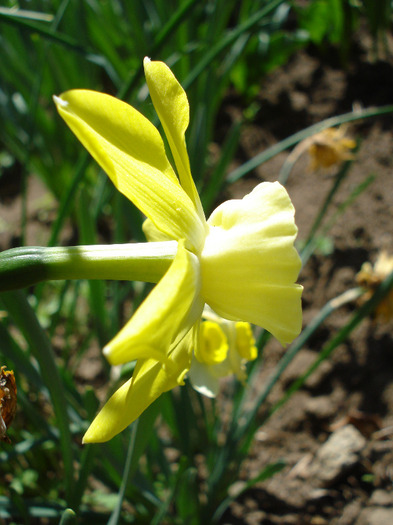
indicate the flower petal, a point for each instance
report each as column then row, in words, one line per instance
column 213, row 344
column 249, row 263
column 130, row 150
column 165, row 316
column 203, row 380
column 245, row 342
column 152, row 233
column 170, row 102
column 149, row 381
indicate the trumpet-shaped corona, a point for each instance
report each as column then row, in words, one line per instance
column 241, row 261
column 230, row 346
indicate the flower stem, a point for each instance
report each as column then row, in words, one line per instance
column 21, row 267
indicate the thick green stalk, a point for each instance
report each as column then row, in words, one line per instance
column 21, row 267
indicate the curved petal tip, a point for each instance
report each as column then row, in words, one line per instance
column 59, row 101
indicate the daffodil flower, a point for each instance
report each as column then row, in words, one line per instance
column 224, row 349
column 241, row 262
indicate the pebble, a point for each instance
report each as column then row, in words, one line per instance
column 375, row 516
column 320, row 407
column 338, row 454
column 381, row 498
column 300, row 364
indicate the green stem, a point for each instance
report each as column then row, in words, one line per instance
column 115, row 516
column 21, row 267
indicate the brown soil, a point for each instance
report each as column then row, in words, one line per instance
column 354, row 388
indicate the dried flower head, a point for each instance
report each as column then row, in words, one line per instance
column 370, row 277
column 7, row 401
column 330, row 147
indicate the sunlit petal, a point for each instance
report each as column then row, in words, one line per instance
column 249, row 263
column 166, row 315
column 213, row 347
column 245, row 342
column 203, row 379
column 152, row 233
column 171, row 104
column 149, row 381
column 130, row 150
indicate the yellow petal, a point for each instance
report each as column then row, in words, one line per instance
column 249, row 263
column 170, row 102
column 213, row 344
column 245, row 342
column 130, row 150
column 149, row 381
column 167, row 314
column 152, row 233
column 203, row 379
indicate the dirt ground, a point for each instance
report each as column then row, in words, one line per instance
column 335, row 434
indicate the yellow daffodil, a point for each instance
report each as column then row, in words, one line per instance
column 224, row 349
column 241, row 262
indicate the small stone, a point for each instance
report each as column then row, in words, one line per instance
column 321, row 407
column 381, row 498
column 318, row 520
column 350, row 513
column 318, row 494
column 300, row 364
column 375, row 516
column 338, row 454
column 299, row 100
column 255, row 517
